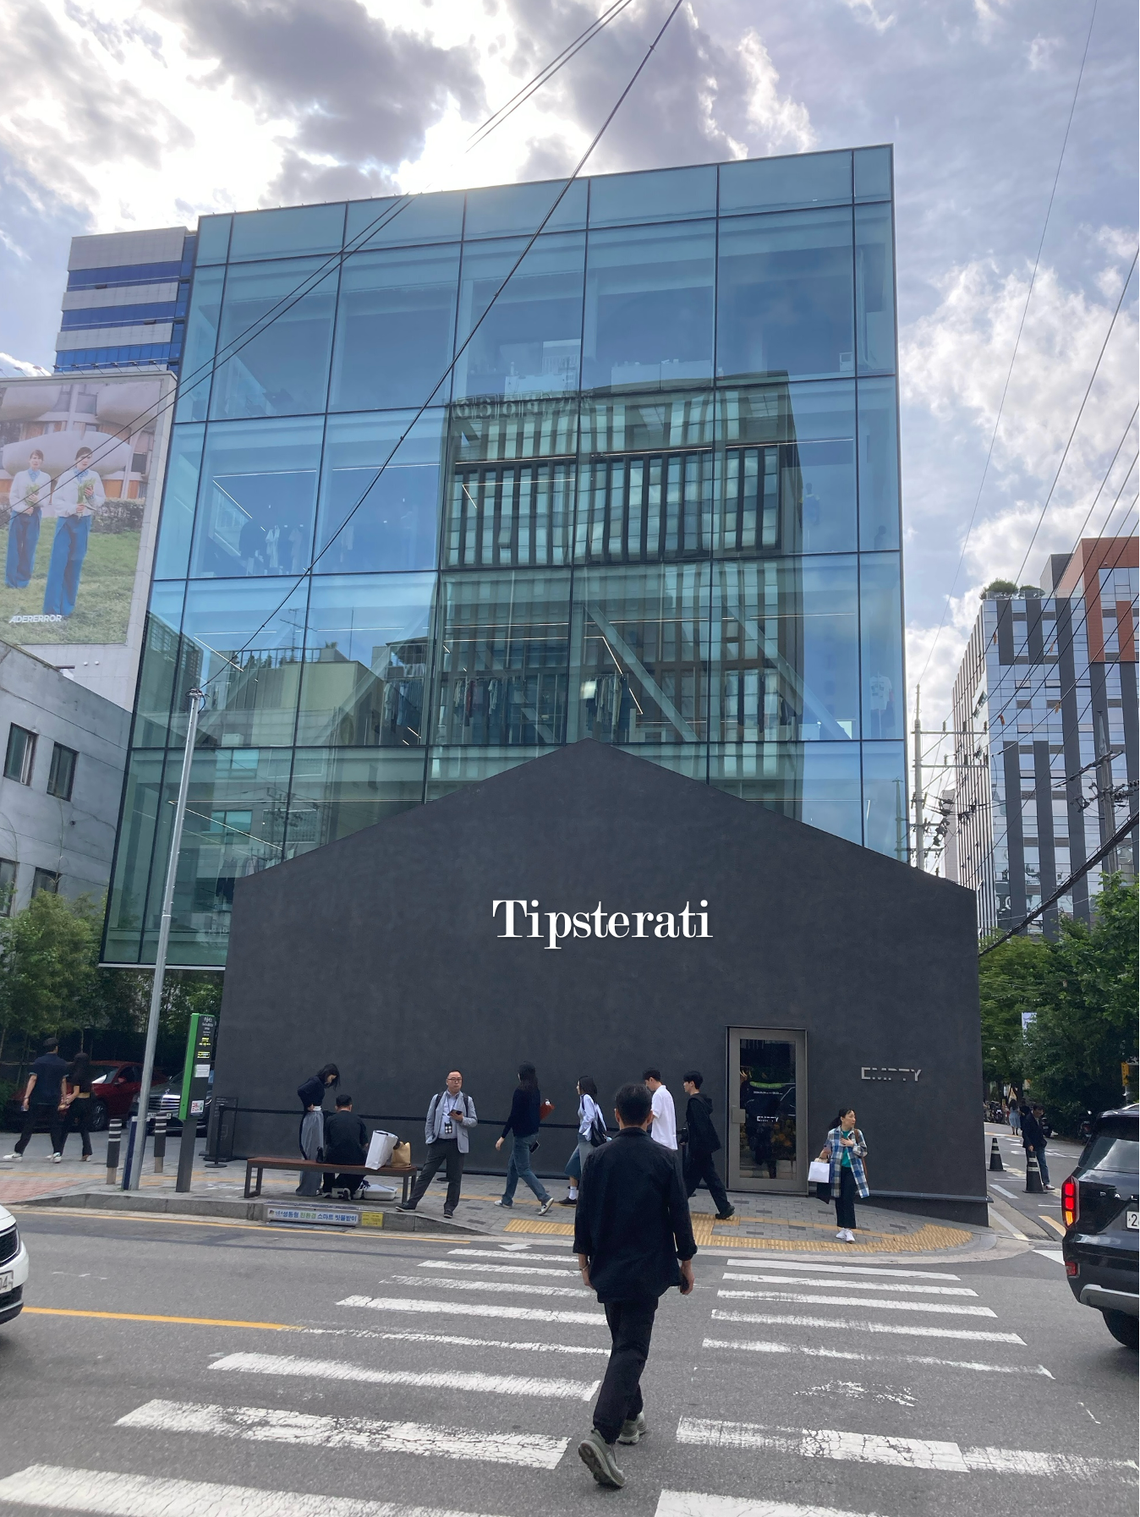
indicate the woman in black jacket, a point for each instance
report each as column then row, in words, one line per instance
column 523, row 1124
column 312, row 1133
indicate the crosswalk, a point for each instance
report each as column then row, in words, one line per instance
column 485, row 1358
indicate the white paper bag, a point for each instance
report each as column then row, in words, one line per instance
column 819, row 1172
column 380, row 1149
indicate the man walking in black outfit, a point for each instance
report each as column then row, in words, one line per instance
column 42, row 1101
column 630, row 1230
column 701, row 1142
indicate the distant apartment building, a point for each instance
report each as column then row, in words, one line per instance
column 63, row 750
column 1047, row 756
column 125, row 302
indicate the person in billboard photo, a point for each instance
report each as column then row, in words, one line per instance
column 28, row 497
column 78, row 494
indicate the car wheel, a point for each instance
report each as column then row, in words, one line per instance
column 1123, row 1328
column 98, row 1116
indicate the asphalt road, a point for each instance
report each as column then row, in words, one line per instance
column 1038, row 1216
column 459, row 1376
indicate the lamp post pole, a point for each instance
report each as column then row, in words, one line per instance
column 195, row 701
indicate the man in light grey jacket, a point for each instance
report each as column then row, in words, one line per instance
column 450, row 1116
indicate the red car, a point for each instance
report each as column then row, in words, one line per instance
column 113, row 1089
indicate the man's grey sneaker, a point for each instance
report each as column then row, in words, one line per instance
column 634, row 1430
column 406, row 1205
column 546, row 1205
column 598, row 1457
column 447, row 1213
column 723, row 1216
column 506, row 1205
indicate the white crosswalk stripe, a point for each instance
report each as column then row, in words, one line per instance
column 911, row 1329
column 911, row 1453
column 499, row 1269
column 106, row 1493
column 854, row 1269
column 497, row 1253
column 798, row 1298
column 451, row 1379
column 700, row 1504
column 474, row 1309
column 515, row 1345
column 268, row 1424
column 756, row 1346
column 503, row 1287
column 854, row 1285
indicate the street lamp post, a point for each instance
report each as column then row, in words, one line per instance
column 195, row 701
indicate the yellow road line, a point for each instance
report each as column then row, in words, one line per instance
column 66, row 1311
column 1052, row 1221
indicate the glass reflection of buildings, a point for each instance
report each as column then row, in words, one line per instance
column 655, row 503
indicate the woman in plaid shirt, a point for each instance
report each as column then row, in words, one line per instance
column 845, row 1150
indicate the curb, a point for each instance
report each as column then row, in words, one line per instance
column 371, row 1218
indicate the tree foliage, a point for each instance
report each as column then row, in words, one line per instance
column 1081, row 992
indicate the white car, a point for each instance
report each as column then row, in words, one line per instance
column 13, row 1268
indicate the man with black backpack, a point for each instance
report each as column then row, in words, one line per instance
column 701, row 1142
column 450, row 1116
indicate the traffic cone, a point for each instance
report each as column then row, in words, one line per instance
column 1033, row 1184
column 995, row 1155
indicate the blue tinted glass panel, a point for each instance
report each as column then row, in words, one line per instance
column 160, row 660
column 884, row 799
column 251, row 674
column 395, row 323
column 661, row 195
column 213, row 240
column 872, row 173
column 529, row 340
column 257, row 498
column 512, row 208
column 878, row 465
column 287, row 232
column 501, row 659
column 649, row 307
column 816, row 783
column 366, row 661
column 785, row 296
column 880, row 588
column 337, row 791
column 176, row 524
column 201, row 342
column 785, row 643
column 370, row 523
column 405, row 219
column 874, row 289
column 127, row 896
column 277, row 367
column 788, row 469
column 776, row 184
column 640, row 669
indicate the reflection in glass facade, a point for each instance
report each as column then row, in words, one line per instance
column 654, row 501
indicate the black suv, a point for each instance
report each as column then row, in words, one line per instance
column 1101, row 1212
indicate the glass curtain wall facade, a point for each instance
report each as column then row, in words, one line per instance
column 652, row 498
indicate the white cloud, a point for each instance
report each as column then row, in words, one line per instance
column 19, row 368
column 867, row 10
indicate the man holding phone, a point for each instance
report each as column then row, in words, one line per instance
column 634, row 1241
column 450, row 1116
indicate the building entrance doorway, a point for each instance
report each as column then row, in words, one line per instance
column 767, row 1129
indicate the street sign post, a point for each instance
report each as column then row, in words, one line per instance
column 195, row 1086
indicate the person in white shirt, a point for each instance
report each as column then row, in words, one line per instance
column 26, row 500
column 664, row 1120
column 591, row 1135
column 78, row 494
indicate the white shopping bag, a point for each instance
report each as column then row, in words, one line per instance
column 380, row 1149
column 819, row 1172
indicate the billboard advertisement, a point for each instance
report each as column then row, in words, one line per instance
column 80, row 470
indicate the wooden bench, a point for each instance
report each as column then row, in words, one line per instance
column 407, row 1172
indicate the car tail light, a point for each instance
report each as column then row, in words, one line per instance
column 1070, row 1208
column 1072, row 1268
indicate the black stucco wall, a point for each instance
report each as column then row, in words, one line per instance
column 380, row 953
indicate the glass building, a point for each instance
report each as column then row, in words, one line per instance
column 125, row 302
column 652, row 499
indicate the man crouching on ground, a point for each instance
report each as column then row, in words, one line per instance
column 631, row 1228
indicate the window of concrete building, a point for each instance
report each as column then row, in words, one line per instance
column 61, row 775
column 45, row 879
column 21, row 755
column 7, row 885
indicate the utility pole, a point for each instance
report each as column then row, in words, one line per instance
column 195, row 700
column 919, row 823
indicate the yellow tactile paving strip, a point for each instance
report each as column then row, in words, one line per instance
column 925, row 1239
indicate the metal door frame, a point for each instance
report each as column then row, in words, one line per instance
column 797, row 1036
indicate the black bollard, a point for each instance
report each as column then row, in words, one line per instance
column 1033, row 1183
column 995, row 1155
column 160, row 1142
column 114, row 1139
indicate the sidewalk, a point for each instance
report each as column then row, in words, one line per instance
column 782, row 1224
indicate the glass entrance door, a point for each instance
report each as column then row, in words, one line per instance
column 767, row 1080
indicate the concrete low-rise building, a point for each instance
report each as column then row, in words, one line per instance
column 64, row 749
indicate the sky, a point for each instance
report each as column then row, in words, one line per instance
column 118, row 115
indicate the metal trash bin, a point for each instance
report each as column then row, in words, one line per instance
column 220, row 1134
